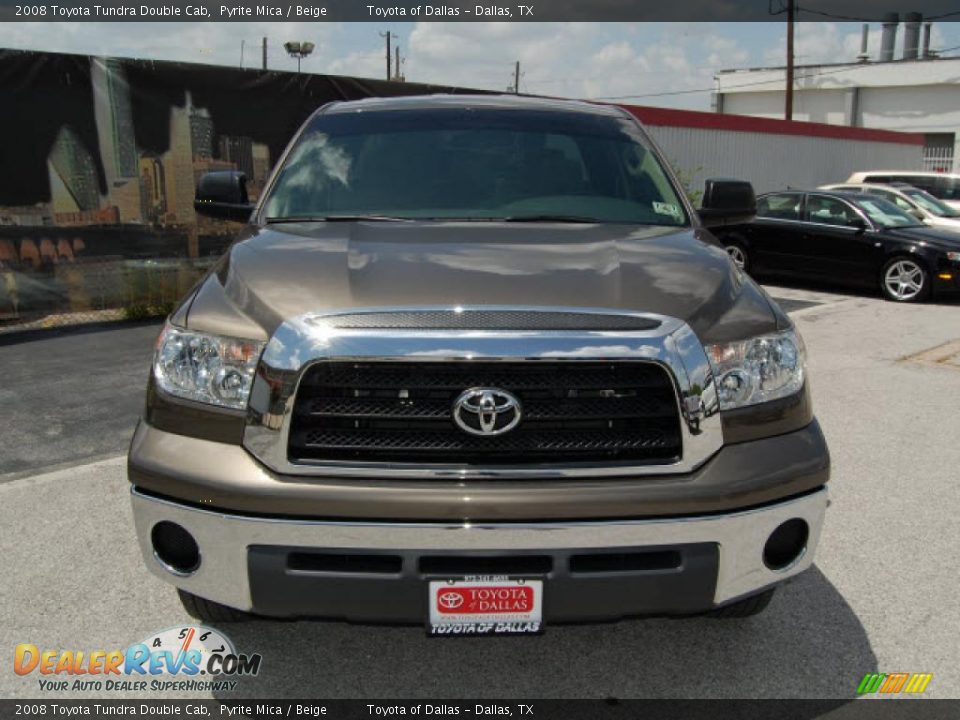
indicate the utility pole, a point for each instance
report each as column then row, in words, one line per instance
column 397, row 64
column 387, row 36
column 788, row 108
column 516, row 78
column 241, row 52
column 264, row 53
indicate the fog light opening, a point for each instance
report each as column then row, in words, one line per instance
column 175, row 548
column 786, row 545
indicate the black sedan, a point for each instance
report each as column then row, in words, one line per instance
column 847, row 238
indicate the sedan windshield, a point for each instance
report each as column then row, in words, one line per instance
column 929, row 203
column 884, row 213
column 475, row 164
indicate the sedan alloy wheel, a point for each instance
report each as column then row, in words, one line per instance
column 904, row 280
column 738, row 255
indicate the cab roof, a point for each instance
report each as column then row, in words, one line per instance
column 492, row 101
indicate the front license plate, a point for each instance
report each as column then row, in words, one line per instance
column 480, row 605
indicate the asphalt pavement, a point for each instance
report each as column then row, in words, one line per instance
column 72, row 395
column 881, row 596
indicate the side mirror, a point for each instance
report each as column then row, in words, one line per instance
column 858, row 224
column 727, row 202
column 916, row 213
column 223, row 195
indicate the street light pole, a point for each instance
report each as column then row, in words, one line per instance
column 299, row 50
column 788, row 105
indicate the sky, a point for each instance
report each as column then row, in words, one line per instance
column 662, row 64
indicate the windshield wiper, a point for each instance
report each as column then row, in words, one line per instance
column 333, row 218
column 549, row 218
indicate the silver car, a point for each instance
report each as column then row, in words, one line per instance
column 919, row 203
column 944, row 186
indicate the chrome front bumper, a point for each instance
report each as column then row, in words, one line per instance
column 225, row 539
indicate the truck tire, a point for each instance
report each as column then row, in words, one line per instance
column 209, row 611
column 753, row 605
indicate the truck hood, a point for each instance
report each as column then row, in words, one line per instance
column 277, row 272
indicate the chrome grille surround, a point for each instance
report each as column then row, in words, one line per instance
column 315, row 337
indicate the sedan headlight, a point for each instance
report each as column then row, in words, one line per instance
column 754, row 371
column 205, row 368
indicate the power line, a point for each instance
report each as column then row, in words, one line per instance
column 850, row 18
column 730, row 87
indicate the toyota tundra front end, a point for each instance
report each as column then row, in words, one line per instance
column 476, row 363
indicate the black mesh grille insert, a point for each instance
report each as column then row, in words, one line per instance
column 403, row 412
column 344, row 563
column 625, row 562
column 539, row 320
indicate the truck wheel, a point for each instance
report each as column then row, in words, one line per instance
column 209, row 611
column 753, row 605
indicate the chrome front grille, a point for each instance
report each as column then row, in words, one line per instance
column 402, row 412
column 368, row 393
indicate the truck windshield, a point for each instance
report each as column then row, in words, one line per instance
column 477, row 164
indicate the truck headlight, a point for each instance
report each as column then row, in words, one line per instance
column 757, row 370
column 205, row 368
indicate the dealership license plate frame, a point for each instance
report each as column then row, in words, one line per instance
column 448, row 623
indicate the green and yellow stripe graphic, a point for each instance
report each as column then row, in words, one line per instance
column 894, row 683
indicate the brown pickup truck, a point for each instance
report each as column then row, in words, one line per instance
column 476, row 363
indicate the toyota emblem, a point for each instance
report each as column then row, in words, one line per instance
column 450, row 600
column 486, row 411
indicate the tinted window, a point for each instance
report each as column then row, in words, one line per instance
column 946, row 188
column 782, row 206
column 475, row 164
column 920, row 181
column 829, row 211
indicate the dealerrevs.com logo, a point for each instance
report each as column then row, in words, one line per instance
column 188, row 658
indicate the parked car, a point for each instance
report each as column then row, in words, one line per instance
column 477, row 363
column 919, row 203
column 943, row 186
column 847, row 238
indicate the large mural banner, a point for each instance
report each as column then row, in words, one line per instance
column 100, row 159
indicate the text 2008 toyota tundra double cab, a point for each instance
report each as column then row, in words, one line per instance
column 476, row 363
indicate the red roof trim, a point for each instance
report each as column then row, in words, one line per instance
column 745, row 123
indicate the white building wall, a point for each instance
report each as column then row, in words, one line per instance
column 921, row 96
column 825, row 106
column 774, row 161
column 925, row 108
column 756, row 104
